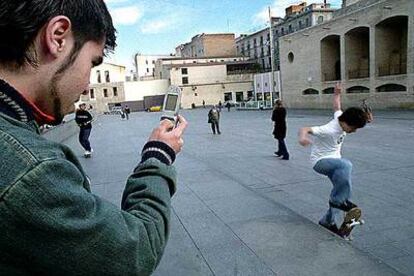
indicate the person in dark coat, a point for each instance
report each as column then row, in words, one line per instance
column 279, row 131
column 213, row 119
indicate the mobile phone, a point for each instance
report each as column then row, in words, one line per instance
column 171, row 106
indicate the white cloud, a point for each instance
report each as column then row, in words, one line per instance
column 156, row 26
column 126, row 15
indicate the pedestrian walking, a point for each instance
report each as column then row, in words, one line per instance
column 228, row 105
column 280, row 128
column 127, row 111
column 368, row 111
column 214, row 119
column 326, row 156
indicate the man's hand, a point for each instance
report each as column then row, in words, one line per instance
column 304, row 139
column 166, row 133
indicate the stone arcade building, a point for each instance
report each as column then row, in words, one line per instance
column 368, row 45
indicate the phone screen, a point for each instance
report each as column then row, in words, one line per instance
column 171, row 102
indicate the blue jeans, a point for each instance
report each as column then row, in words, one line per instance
column 339, row 172
column 84, row 138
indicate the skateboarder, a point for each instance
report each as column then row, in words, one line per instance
column 326, row 156
column 84, row 120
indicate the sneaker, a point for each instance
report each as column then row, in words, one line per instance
column 277, row 154
column 331, row 227
column 346, row 206
column 285, row 158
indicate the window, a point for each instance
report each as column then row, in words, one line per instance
column 92, row 94
column 115, row 90
column 261, row 40
column 185, row 80
column 320, row 19
column 153, row 62
column 98, row 76
column 391, row 87
column 105, row 93
column 107, row 79
column 239, row 96
column 357, row 89
column 290, row 29
column 307, row 22
column 329, row 90
column 282, row 31
column 300, row 24
column 147, row 70
column 310, row 91
column 146, row 62
column 291, row 57
column 249, row 95
column 228, row 96
column 184, row 71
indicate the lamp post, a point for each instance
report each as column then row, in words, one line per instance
column 272, row 62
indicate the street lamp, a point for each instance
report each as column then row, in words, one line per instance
column 272, row 62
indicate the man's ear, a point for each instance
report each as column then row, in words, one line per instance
column 58, row 34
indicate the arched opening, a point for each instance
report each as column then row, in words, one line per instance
column 357, row 90
column 310, row 91
column 331, row 58
column 291, row 57
column 357, row 53
column 391, row 87
column 391, row 46
column 329, row 90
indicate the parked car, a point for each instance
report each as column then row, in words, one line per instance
column 155, row 108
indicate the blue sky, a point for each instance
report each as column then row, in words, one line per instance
column 157, row 26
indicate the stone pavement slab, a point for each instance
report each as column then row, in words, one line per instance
column 239, row 210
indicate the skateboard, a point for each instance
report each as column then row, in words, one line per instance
column 352, row 218
column 87, row 155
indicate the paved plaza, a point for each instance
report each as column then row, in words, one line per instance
column 239, row 210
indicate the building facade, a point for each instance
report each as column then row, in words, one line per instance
column 208, row 45
column 210, row 80
column 368, row 46
column 106, row 85
column 257, row 45
column 145, row 66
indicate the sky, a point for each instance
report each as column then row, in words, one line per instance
column 156, row 27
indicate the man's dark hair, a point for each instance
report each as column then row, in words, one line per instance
column 354, row 116
column 21, row 21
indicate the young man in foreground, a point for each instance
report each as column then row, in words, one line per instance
column 51, row 223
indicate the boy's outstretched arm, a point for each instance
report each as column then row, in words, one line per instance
column 337, row 97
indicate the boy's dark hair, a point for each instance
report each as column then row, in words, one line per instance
column 354, row 116
column 21, row 21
